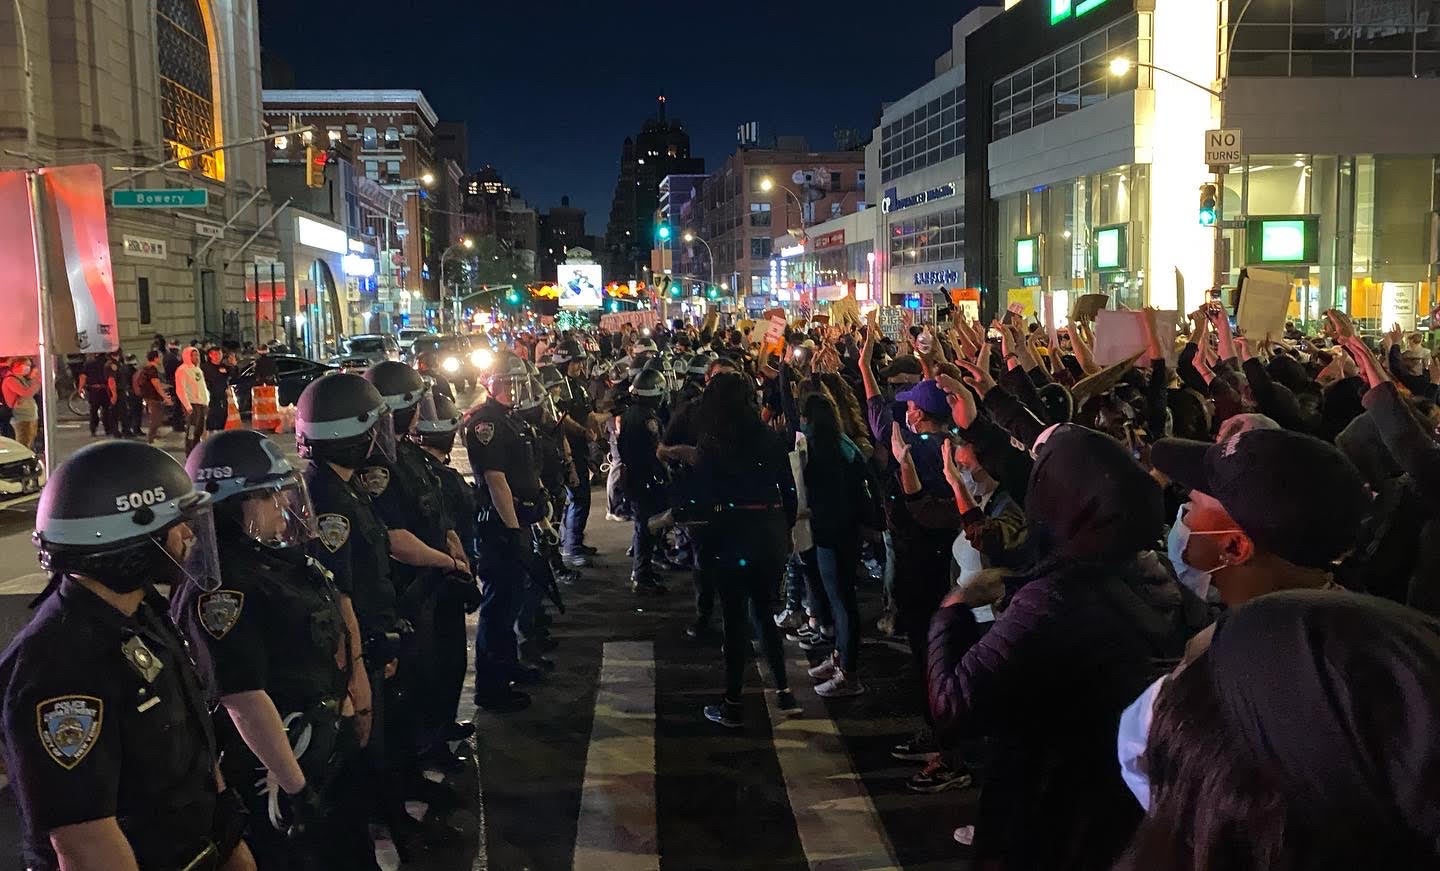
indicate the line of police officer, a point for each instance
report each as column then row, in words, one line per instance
column 307, row 683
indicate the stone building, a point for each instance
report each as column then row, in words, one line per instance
column 123, row 84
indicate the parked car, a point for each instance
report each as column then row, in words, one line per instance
column 406, row 337
column 293, row 374
column 375, row 347
column 21, row 473
column 356, row 363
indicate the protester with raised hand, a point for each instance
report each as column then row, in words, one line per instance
column 1095, row 620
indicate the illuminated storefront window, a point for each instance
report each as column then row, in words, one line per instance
column 187, row 86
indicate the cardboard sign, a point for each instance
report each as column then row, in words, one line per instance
column 1047, row 318
column 1016, row 308
column 1119, row 335
column 774, row 330
column 845, row 311
column 1088, row 305
column 887, row 317
column 1264, row 302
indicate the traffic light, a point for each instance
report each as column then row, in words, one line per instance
column 712, row 292
column 315, row 163
column 512, row 297
column 1209, row 205
column 663, row 232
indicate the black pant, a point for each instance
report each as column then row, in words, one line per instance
column 744, row 551
column 439, row 674
column 358, row 782
column 646, row 502
column 102, row 411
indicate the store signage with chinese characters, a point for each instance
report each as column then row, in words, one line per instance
column 140, row 246
column 1063, row 9
column 892, row 202
column 828, row 240
column 937, row 278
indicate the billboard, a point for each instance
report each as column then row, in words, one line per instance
column 580, row 285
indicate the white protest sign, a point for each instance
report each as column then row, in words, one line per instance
column 1264, row 302
column 1119, row 335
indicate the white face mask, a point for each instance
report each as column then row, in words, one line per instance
column 1198, row 580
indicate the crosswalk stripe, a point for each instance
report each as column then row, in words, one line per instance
column 836, row 819
column 617, row 829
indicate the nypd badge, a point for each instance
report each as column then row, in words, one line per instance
column 220, row 611
column 374, row 480
column 484, row 432
column 334, row 530
column 68, row 727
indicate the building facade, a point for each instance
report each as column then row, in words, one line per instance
column 121, row 84
column 661, row 148
column 760, row 194
column 391, row 135
column 1086, row 143
column 836, row 260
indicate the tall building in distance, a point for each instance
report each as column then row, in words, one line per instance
column 661, row 148
column 561, row 228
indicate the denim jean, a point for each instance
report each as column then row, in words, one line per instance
column 577, row 514
column 837, row 571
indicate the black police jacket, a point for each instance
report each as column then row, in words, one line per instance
column 497, row 440
column 636, row 442
column 406, row 495
column 274, row 625
column 102, row 714
column 459, row 500
column 354, row 546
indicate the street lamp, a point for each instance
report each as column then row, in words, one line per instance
column 1121, row 66
column 709, row 255
column 768, row 184
column 467, row 244
column 427, row 178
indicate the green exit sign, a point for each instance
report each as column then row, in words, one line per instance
column 1063, row 9
column 165, row 198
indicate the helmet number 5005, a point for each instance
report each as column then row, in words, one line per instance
column 132, row 501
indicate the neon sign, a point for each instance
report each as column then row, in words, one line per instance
column 1063, row 9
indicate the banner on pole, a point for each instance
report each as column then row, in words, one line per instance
column 20, row 328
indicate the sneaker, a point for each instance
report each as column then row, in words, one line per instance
column 965, row 836
column 728, row 714
column 617, row 518
column 787, row 704
column 918, row 749
column 790, row 619
column 825, row 670
column 646, row 587
column 574, row 560
column 840, row 686
column 816, row 638
column 886, row 624
column 936, row 776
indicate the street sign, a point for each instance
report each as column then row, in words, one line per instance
column 1224, row 147
column 167, row 198
column 213, row 231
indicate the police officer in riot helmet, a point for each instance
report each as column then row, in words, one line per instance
column 406, row 494
column 441, row 633
column 104, row 724
column 428, row 367
column 637, row 441
column 275, row 639
column 504, row 456
column 341, row 423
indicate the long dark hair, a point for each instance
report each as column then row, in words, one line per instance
column 852, row 416
column 728, row 421
column 1211, row 808
column 822, row 419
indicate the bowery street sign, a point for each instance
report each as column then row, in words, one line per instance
column 169, row 198
column 1223, row 147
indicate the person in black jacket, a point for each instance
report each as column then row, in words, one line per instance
column 1098, row 619
column 743, row 499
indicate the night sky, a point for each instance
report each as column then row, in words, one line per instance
column 549, row 90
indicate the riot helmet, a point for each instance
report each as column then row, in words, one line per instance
column 700, row 364
column 649, row 387
column 439, row 419
column 401, row 387
column 567, row 352
column 253, row 488
column 126, row 515
column 556, row 384
column 336, row 422
column 510, row 382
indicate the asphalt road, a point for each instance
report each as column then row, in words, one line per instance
column 614, row 767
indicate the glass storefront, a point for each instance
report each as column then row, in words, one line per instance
column 1063, row 226
column 1376, row 228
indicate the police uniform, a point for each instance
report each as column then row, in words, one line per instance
column 103, row 715
column 636, row 441
column 405, row 494
column 498, row 440
column 275, row 626
column 97, row 371
column 354, row 546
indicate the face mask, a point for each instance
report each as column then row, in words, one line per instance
column 1198, row 580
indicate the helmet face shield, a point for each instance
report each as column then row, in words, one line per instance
column 199, row 557
column 280, row 516
column 382, row 437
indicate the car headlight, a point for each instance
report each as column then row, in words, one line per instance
column 451, row 364
column 481, row 358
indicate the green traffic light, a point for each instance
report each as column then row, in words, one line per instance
column 1207, row 217
column 663, row 231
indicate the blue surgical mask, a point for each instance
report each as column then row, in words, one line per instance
column 1198, row 580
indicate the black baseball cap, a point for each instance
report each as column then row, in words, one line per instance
column 1296, row 496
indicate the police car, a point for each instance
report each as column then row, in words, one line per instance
column 21, row 473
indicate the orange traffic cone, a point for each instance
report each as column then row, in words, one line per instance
column 232, row 410
column 265, row 408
